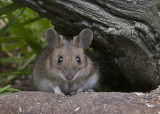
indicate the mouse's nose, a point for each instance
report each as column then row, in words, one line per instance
column 69, row 77
column 68, row 73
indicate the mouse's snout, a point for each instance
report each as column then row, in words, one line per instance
column 69, row 74
column 69, row 77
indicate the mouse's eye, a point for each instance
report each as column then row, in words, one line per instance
column 60, row 59
column 78, row 59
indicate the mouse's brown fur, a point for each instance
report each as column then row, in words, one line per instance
column 70, row 76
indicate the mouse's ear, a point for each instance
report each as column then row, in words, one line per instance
column 52, row 38
column 84, row 39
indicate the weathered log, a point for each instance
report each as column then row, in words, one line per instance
column 82, row 103
column 127, row 30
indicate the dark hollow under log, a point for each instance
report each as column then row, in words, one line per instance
column 126, row 32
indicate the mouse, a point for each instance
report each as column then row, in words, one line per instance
column 63, row 67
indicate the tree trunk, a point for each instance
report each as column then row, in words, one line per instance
column 126, row 32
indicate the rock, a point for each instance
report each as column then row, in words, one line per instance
column 28, row 102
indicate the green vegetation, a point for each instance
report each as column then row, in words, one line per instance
column 7, row 90
column 21, row 40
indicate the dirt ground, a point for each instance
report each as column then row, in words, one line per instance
column 24, row 83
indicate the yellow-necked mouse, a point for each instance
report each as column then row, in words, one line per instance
column 63, row 67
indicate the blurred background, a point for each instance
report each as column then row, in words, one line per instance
column 21, row 40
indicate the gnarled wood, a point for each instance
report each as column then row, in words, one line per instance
column 129, row 29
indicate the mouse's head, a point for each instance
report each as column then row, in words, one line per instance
column 68, row 60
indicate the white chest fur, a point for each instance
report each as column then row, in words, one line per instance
column 91, row 82
column 88, row 84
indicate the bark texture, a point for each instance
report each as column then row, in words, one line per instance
column 83, row 103
column 127, row 30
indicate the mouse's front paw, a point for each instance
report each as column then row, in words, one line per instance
column 89, row 90
column 73, row 93
column 79, row 90
column 57, row 90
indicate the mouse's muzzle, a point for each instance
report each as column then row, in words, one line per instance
column 69, row 77
column 69, row 74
